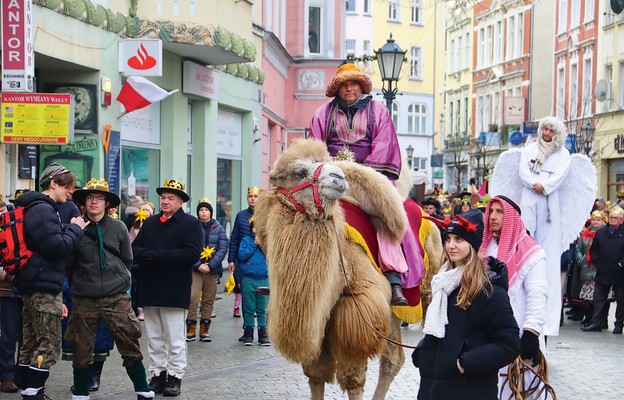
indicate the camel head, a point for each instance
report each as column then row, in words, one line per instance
column 307, row 179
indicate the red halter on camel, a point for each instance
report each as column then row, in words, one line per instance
column 312, row 182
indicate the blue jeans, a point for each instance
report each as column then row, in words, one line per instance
column 11, row 326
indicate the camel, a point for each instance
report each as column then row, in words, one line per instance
column 325, row 289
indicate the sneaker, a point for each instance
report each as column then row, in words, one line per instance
column 173, row 388
column 191, row 330
column 158, row 382
column 248, row 337
column 237, row 313
column 141, row 315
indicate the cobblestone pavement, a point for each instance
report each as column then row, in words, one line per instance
column 582, row 366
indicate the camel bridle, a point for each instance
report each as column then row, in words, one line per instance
column 312, row 182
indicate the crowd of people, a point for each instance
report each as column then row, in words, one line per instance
column 92, row 279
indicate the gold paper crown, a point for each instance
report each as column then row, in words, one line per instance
column 596, row 214
column 616, row 210
column 173, row 184
column 204, row 200
column 19, row 193
column 480, row 204
column 446, row 211
column 620, row 193
column 253, row 190
column 97, row 184
column 1, row 197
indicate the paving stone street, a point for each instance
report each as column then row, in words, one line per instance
column 582, row 366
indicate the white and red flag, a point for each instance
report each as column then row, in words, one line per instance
column 139, row 92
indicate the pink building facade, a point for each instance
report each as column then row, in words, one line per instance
column 303, row 47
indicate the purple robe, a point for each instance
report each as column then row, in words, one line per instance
column 372, row 137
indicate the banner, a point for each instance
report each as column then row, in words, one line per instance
column 18, row 58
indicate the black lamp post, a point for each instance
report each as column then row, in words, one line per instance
column 588, row 136
column 390, row 58
column 410, row 152
column 478, row 154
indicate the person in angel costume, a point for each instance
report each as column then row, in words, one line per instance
column 555, row 191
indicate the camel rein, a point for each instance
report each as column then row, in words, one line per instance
column 357, row 306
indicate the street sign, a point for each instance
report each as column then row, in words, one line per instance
column 37, row 118
column 18, row 58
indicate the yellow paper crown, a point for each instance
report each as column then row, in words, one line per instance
column 620, row 193
column 253, row 190
column 480, row 204
column 97, row 184
column 596, row 214
column 446, row 211
column 204, row 200
column 173, row 184
column 1, row 197
column 616, row 210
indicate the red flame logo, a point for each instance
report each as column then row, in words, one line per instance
column 142, row 60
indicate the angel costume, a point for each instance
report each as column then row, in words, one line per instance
column 555, row 217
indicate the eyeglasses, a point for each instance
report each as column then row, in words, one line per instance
column 97, row 199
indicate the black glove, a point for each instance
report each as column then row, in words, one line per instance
column 529, row 347
column 149, row 255
column 473, row 181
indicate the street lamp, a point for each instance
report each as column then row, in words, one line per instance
column 478, row 154
column 410, row 152
column 390, row 58
column 588, row 134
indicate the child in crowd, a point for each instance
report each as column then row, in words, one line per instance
column 255, row 273
column 470, row 329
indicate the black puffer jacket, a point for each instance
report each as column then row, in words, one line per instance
column 50, row 241
column 484, row 338
column 607, row 253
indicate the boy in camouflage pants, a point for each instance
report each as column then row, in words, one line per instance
column 100, row 278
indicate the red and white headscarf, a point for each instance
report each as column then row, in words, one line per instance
column 515, row 246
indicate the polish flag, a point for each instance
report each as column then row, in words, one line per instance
column 139, row 92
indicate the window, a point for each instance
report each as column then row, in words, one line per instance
column 515, row 28
column 415, row 62
column 416, row 16
column 417, row 118
column 511, row 38
column 460, row 46
column 314, row 30
column 488, row 45
column 419, row 163
column 561, row 93
column 481, row 48
column 519, row 35
column 350, row 6
column 479, row 111
column 350, row 46
column 498, row 42
column 620, row 93
column 587, row 81
column 393, row 10
column 575, row 8
column 367, row 7
column 609, row 79
column 468, row 50
column 496, row 108
column 563, row 17
column 451, row 118
column 367, row 47
column 452, row 57
column 458, row 115
column 573, row 94
column 395, row 115
column 464, row 127
column 609, row 17
column 589, row 11
column 487, row 116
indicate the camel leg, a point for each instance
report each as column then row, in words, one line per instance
column 390, row 362
column 319, row 372
column 352, row 379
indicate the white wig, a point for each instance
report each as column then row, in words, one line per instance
column 556, row 125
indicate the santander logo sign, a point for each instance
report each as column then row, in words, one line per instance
column 142, row 60
column 141, row 57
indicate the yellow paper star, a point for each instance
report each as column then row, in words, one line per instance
column 141, row 215
column 207, row 253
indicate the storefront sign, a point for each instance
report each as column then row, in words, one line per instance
column 37, row 118
column 200, row 81
column 229, row 135
column 141, row 57
column 18, row 59
column 142, row 125
column 514, row 110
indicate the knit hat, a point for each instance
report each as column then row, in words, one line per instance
column 50, row 172
column 204, row 202
column 469, row 226
column 175, row 187
column 349, row 72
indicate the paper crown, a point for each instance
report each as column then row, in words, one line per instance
column 97, row 184
column 620, row 193
column 596, row 214
column 18, row 193
column 616, row 210
column 253, row 190
column 204, row 200
column 173, row 184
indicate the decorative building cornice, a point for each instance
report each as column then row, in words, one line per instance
column 166, row 30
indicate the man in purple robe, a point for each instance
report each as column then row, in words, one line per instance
column 354, row 126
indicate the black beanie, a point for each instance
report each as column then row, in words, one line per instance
column 207, row 205
column 469, row 226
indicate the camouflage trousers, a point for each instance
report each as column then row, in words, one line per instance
column 41, row 329
column 123, row 325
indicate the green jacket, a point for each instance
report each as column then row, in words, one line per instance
column 87, row 276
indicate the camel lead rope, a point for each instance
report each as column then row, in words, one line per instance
column 538, row 385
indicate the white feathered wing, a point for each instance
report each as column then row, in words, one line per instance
column 505, row 179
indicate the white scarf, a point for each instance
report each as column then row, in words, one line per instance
column 544, row 150
column 442, row 285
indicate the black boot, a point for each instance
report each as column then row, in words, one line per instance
column 158, row 382
column 248, row 336
column 263, row 336
column 21, row 371
column 397, row 296
column 35, row 384
column 96, row 373
column 173, row 388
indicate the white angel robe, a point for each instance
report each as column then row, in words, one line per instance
column 542, row 217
